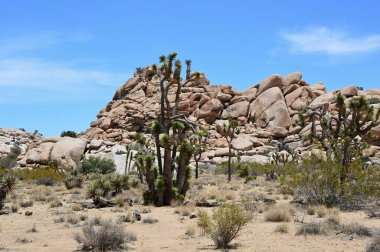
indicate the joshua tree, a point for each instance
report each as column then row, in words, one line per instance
column 229, row 132
column 199, row 143
column 170, row 131
column 344, row 134
column 7, row 184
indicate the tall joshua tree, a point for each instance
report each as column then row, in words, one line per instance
column 170, row 131
column 343, row 135
column 229, row 132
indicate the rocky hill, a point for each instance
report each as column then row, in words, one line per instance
column 266, row 113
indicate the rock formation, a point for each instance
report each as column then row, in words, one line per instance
column 266, row 113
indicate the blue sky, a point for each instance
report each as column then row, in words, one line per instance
column 61, row 61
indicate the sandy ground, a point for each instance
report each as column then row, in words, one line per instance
column 168, row 234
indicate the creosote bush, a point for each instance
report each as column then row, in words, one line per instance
column 108, row 236
column 100, row 165
column 224, row 225
column 319, row 182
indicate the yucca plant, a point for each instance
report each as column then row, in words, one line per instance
column 7, row 185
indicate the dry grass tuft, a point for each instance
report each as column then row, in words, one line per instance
column 311, row 228
column 282, row 228
column 278, row 214
column 76, row 207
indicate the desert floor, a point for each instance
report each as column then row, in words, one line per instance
column 174, row 231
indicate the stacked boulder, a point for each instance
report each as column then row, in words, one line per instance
column 17, row 137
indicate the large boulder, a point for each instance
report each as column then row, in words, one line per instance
column 235, row 110
column 292, row 78
column 242, row 143
column 210, row 111
column 270, row 82
column 269, row 110
column 349, row 91
column 41, row 154
column 123, row 90
column 67, row 152
column 323, row 100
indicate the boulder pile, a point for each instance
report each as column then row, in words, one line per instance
column 266, row 112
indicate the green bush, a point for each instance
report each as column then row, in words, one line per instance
column 69, row 133
column 319, row 182
column 74, row 180
column 104, row 185
column 224, row 225
column 98, row 165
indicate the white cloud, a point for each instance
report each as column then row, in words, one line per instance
column 330, row 41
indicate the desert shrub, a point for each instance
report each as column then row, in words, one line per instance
column 26, row 203
column 119, row 200
column 311, row 228
column 74, row 180
column 119, row 182
column 282, row 228
column 7, row 185
column 100, row 165
column 319, row 182
column 374, row 246
column 357, row 229
column 184, row 210
column 76, row 207
column 104, row 185
column 278, row 214
column 333, row 221
column 224, row 225
column 106, row 237
column 15, row 207
column 10, row 160
column 150, row 220
column 99, row 187
column 69, row 133
column 321, row 211
column 190, row 231
column 45, row 181
column 55, row 202
column 310, row 210
column 72, row 219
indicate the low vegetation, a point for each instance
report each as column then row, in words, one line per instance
column 98, row 165
column 107, row 236
column 224, row 225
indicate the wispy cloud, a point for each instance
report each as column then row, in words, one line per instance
column 33, row 80
column 330, row 41
column 41, row 80
column 42, row 40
